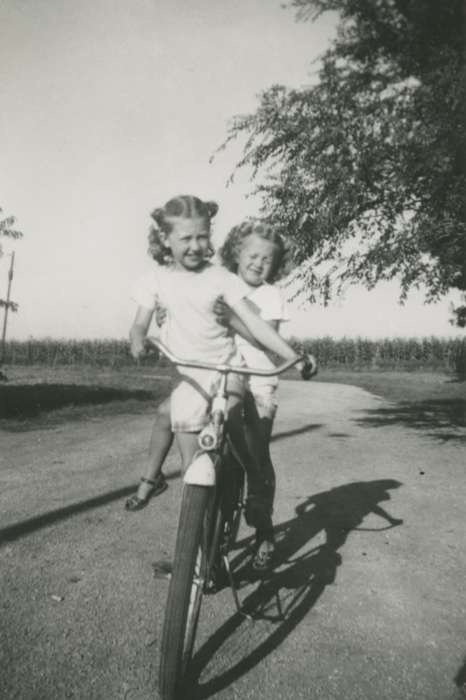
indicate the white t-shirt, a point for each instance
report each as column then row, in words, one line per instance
column 191, row 329
column 272, row 307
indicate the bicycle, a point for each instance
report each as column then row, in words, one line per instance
column 209, row 520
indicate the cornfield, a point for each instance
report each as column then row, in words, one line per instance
column 52, row 352
column 447, row 354
column 430, row 353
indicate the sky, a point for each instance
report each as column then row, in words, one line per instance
column 111, row 107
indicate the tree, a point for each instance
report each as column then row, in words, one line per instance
column 365, row 169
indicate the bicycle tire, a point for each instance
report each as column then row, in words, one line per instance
column 185, row 592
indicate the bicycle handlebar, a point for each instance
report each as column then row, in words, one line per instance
column 152, row 342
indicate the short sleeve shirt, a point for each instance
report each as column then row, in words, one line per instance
column 192, row 330
column 272, row 307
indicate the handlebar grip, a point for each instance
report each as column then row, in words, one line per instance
column 309, row 368
column 150, row 348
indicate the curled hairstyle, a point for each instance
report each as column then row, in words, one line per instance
column 230, row 250
column 183, row 207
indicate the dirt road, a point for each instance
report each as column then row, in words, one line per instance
column 370, row 571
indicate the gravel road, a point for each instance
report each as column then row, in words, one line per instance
column 367, row 602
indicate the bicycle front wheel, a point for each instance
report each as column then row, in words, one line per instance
column 185, row 591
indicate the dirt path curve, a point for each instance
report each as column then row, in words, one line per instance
column 373, row 608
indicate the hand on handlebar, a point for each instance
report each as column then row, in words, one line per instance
column 142, row 348
column 151, row 351
column 308, row 367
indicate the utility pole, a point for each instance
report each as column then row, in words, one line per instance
column 7, row 307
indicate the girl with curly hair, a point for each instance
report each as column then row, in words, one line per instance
column 256, row 252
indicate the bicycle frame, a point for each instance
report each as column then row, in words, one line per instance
column 201, row 471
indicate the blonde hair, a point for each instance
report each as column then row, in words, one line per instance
column 233, row 243
column 184, row 207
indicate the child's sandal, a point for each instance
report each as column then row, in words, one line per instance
column 262, row 560
column 158, row 486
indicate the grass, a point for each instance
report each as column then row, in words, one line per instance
column 401, row 386
column 37, row 396
column 433, row 402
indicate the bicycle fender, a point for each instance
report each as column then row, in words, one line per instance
column 201, row 471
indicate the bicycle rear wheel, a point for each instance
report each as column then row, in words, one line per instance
column 185, row 591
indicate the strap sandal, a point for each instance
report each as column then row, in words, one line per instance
column 262, row 559
column 158, row 486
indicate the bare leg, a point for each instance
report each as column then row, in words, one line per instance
column 160, row 442
column 188, row 446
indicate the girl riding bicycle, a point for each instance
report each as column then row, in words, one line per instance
column 188, row 285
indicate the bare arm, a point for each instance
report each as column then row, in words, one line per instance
column 139, row 330
column 263, row 333
column 227, row 317
column 239, row 327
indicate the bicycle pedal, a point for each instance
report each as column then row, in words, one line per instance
column 210, row 588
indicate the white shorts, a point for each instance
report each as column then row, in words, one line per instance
column 190, row 401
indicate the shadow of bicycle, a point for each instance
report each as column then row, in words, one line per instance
column 285, row 597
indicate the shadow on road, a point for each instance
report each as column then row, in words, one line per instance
column 25, row 407
column 296, row 431
column 300, row 576
column 445, row 417
column 460, row 679
column 25, row 527
column 30, row 400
